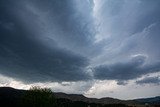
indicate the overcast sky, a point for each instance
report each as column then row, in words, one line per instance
column 99, row 48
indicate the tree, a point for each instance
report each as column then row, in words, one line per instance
column 38, row 97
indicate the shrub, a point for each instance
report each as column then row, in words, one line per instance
column 38, row 97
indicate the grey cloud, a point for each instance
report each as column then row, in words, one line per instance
column 124, row 71
column 54, row 40
column 31, row 61
column 149, row 80
column 125, row 17
column 121, row 82
column 128, row 28
column 65, row 22
column 24, row 50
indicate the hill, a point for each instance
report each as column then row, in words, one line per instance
column 152, row 100
column 10, row 96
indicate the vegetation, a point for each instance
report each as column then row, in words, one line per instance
column 42, row 97
column 69, row 103
column 38, row 97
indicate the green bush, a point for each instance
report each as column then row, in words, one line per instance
column 38, row 97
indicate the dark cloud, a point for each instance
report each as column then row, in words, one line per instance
column 25, row 51
column 57, row 40
column 122, row 82
column 63, row 21
column 149, row 80
column 124, row 71
column 29, row 60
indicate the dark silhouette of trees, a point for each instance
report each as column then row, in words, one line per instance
column 38, row 97
column 42, row 97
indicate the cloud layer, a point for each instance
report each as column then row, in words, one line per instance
column 129, row 32
column 149, row 80
column 122, row 71
column 30, row 53
column 61, row 40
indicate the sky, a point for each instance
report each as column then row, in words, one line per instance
column 98, row 48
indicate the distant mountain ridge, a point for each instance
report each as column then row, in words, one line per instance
column 152, row 100
column 13, row 95
column 107, row 100
column 79, row 97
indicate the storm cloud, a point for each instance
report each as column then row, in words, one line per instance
column 79, row 40
column 129, row 30
column 33, row 50
column 149, row 80
column 131, row 69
